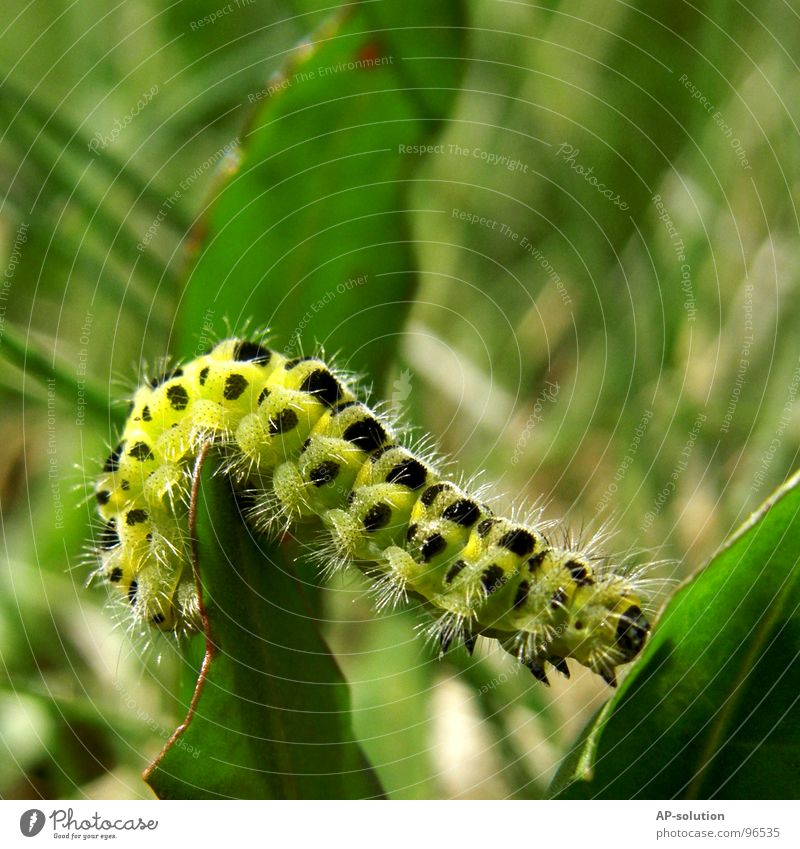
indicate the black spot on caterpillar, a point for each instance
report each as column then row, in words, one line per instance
column 294, row 434
column 251, row 352
column 112, row 463
column 163, row 378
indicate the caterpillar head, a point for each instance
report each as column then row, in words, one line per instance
column 605, row 627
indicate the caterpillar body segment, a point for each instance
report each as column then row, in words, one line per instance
column 293, row 433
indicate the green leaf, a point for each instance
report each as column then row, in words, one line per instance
column 712, row 709
column 311, row 235
column 270, row 716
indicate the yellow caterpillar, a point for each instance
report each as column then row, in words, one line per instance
column 294, row 434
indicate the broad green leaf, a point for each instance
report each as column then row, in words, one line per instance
column 712, row 709
column 270, row 718
column 310, row 236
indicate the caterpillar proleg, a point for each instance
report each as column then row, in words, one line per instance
column 293, row 433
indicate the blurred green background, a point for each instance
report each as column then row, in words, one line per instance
column 605, row 317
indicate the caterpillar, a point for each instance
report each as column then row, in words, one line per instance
column 293, row 434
